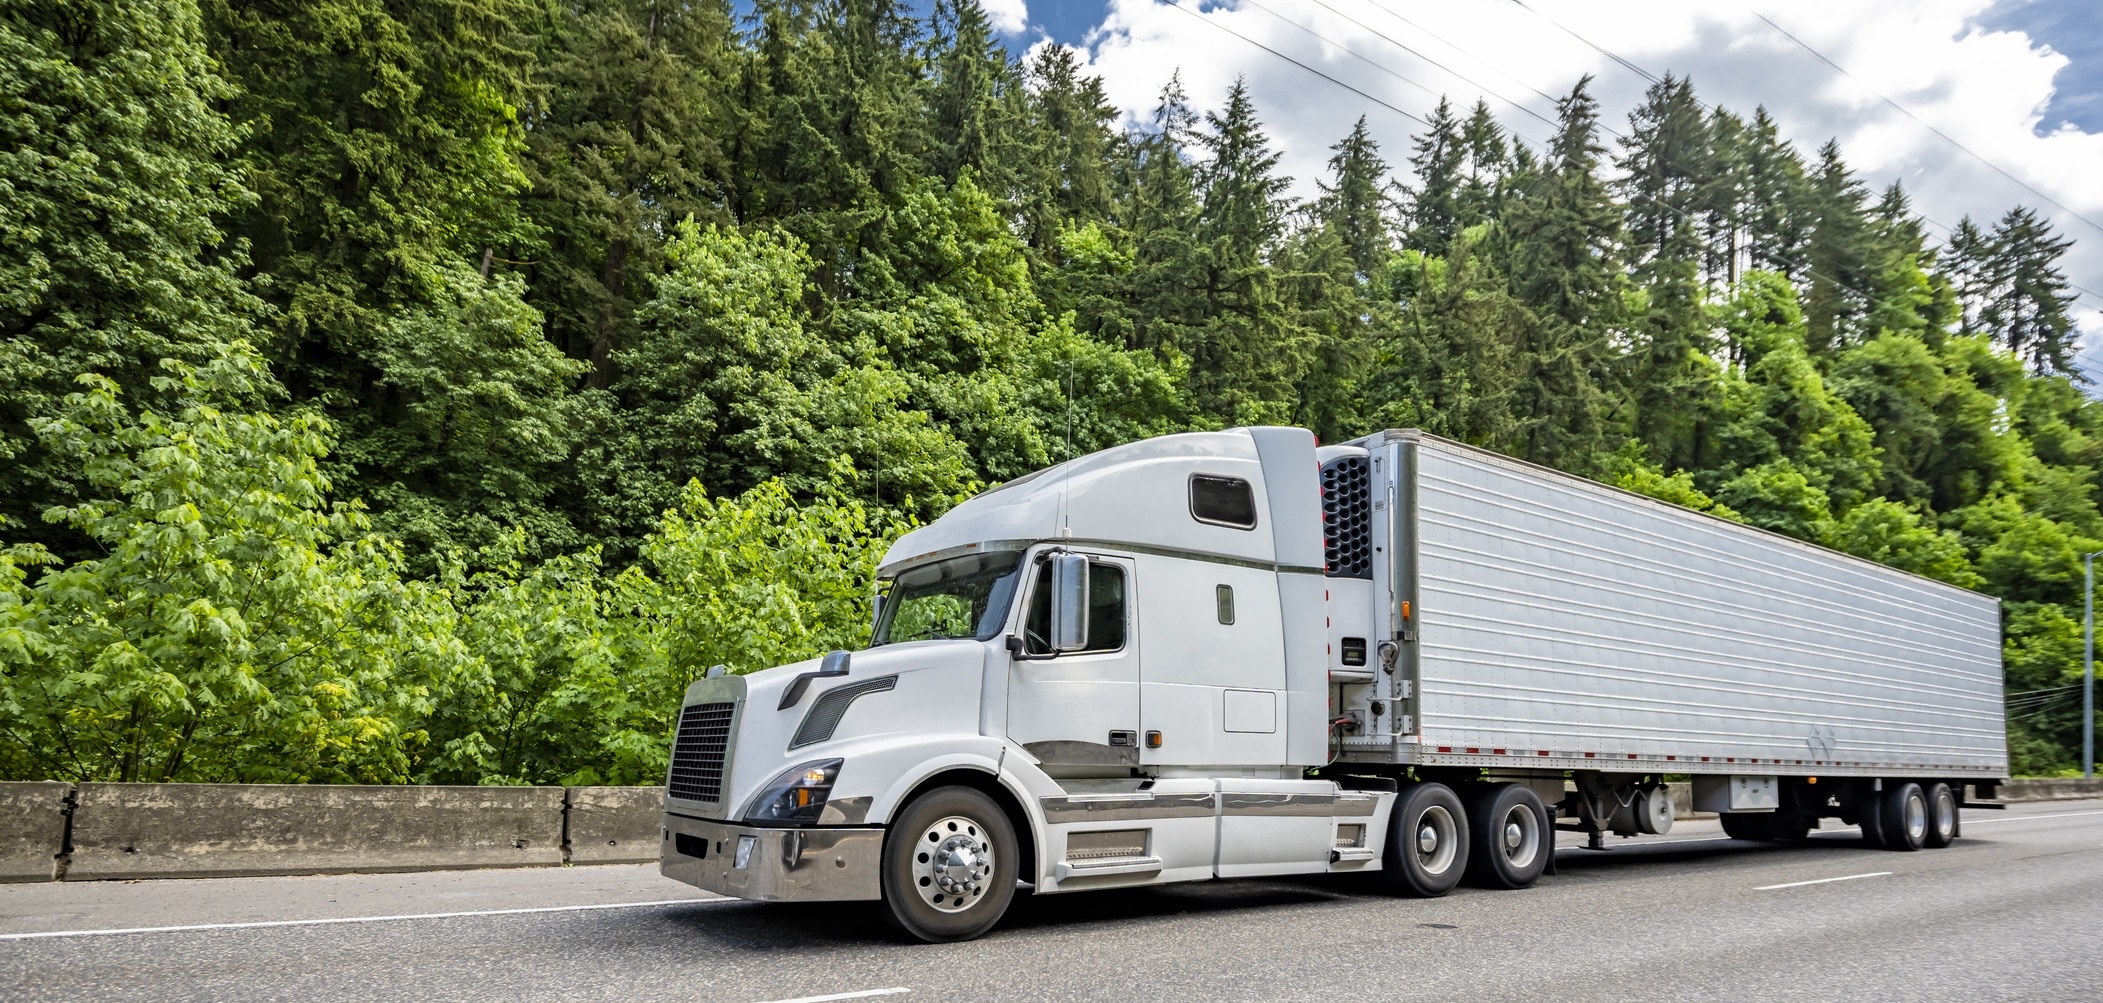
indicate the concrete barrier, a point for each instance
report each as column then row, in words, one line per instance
column 2050, row 790
column 615, row 825
column 32, row 829
column 204, row 830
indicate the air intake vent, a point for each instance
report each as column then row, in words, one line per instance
column 1347, row 517
column 699, row 750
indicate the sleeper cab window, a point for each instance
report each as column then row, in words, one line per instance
column 1223, row 501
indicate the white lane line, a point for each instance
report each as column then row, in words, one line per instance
column 2026, row 818
column 350, row 919
column 1822, row 881
column 864, row 994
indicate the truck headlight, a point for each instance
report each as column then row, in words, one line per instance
column 797, row 795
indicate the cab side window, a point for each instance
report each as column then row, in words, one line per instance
column 1106, row 610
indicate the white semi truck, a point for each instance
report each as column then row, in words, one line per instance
column 1231, row 654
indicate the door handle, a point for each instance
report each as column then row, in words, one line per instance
column 1124, row 736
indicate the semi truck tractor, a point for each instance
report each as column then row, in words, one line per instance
column 1239, row 653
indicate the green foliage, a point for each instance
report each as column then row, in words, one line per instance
column 1890, row 533
column 113, row 161
column 238, row 628
column 524, row 276
column 588, row 697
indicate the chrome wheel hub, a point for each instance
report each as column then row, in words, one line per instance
column 1436, row 832
column 1522, row 835
column 952, row 863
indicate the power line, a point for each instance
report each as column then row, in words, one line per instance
column 1347, row 50
column 1420, row 55
column 1201, row 17
column 1442, row 40
column 1901, row 109
column 1632, row 68
column 1653, row 78
column 1797, row 262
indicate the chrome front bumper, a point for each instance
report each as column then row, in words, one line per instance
column 773, row 865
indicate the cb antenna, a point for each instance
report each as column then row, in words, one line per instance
column 1066, row 478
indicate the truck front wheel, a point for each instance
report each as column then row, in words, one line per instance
column 1427, row 842
column 949, row 865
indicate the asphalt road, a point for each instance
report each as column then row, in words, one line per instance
column 2013, row 911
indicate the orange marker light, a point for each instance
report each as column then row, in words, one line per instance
column 1405, row 610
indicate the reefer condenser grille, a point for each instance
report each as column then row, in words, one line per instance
column 698, row 751
column 1347, row 517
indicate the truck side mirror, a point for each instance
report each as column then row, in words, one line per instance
column 876, row 613
column 1069, row 602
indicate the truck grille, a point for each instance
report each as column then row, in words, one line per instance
column 698, row 752
column 1347, row 517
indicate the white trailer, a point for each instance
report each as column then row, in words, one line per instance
column 1232, row 654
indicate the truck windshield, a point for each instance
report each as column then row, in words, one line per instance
column 957, row 598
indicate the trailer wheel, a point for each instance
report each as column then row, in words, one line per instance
column 1869, row 815
column 1904, row 814
column 1509, row 839
column 1942, row 815
column 949, row 865
column 1756, row 827
column 1427, row 842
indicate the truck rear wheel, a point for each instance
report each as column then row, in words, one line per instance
column 1509, row 836
column 1943, row 819
column 1905, row 817
column 949, row 865
column 1427, row 842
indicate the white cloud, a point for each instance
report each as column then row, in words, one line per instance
column 1008, row 17
column 1985, row 89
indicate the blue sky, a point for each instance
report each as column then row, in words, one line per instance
column 2072, row 27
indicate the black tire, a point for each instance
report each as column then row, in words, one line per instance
column 1509, row 840
column 1757, row 827
column 1426, row 866
column 1944, row 824
column 1869, row 814
column 1904, row 813
column 1792, row 828
column 964, row 827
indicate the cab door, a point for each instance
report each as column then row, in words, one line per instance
column 1213, row 692
column 1077, row 711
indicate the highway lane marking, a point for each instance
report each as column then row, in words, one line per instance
column 863, row 994
column 47, row 934
column 2026, row 818
column 1822, row 881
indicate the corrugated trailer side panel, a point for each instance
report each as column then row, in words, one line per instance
column 1617, row 632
